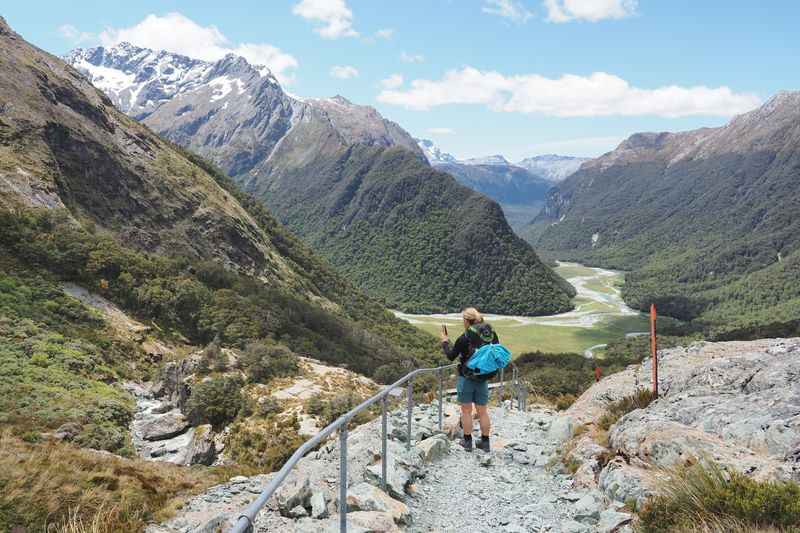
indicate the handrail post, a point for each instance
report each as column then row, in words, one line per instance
column 441, row 394
column 410, row 407
column 343, row 479
column 383, row 443
column 502, row 386
column 517, row 391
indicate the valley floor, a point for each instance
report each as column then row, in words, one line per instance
column 600, row 315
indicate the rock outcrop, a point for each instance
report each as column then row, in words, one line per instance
column 734, row 403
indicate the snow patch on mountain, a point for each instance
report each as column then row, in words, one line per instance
column 494, row 160
column 434, row 154
column 553, row 167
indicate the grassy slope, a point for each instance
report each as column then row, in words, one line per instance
column 552, row 338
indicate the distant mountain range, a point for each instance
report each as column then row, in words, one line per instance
column 352, row 184
column 520, row 188
column 708, row 220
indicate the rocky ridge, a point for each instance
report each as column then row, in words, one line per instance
column 734, row 403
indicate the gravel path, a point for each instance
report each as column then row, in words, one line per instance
column 509, row 489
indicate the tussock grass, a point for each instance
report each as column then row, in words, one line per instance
column 703, row 498
column 616, row 410
column 62, row 488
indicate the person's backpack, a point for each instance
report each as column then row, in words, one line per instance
column 488, row 358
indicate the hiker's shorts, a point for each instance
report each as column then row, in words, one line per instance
column 472, row 391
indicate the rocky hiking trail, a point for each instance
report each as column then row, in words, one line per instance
column 435, row 486
column 734, row 403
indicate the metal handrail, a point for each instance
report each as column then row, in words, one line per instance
column 244, row 523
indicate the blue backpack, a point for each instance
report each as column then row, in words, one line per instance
column 488, row 358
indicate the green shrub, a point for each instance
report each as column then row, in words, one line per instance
column 705, row 497
column 215, row 401
column 265, row 446
column 616, row 410
column 262, row 361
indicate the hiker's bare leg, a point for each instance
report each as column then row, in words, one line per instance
column 466, row 418
column 483, row 418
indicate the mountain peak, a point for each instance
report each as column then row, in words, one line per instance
column 434, row 154
column 5, row 29
column 496, row 159
column 553, row 167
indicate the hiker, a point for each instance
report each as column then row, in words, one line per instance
column 471, row 390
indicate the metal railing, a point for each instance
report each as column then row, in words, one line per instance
column 245, row 521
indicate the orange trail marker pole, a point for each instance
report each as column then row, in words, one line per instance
column 654, row 348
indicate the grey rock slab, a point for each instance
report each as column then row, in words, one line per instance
column 561, row 429
column 163, row 426
column 294, row 492
column 201, row 449
column 366, row 497
column 610, row 520
column 297, row 512
column 434, row 448
column 397, row 478
column 319, row 504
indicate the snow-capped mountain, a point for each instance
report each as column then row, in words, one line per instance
column 229, row 110
column 139, row 80
column 434, row 154
column 494, row 160
column 552, row 167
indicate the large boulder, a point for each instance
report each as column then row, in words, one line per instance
column 294, row 492
column 397, row 478
column 367, row 497
column 201, row 449
column 626, row 484
column 561, row 429
column 174, row 384
column 357, row 522
column 163, row 426
column 434, row 448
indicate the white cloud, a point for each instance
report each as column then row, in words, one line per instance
column 386, row 33
column 392, row 82
column 335, row 18
column 73, row 34
column 411, row 58
column 591, row 10
column 441, row 131
column 344, row 72
column 509, row 9
column 599, row 94
column 179, row 34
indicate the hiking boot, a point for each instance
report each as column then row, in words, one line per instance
column 484, row 444
column 466, row 444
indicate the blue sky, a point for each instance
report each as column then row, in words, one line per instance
column 516, row 77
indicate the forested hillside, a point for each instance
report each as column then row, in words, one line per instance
column 410, row 235
column 706, row 220
column 350, row 183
